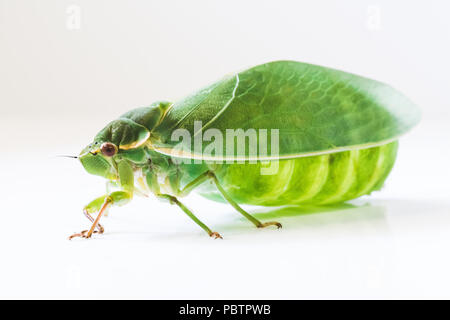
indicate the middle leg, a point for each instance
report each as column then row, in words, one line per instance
column 174, row 200
column 209, row 175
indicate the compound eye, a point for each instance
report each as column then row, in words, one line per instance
column 108, row 149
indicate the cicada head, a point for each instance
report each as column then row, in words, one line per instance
column 97, row 159
column 118, row 137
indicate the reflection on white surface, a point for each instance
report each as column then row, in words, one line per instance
column 374, row 247
column 391, row 244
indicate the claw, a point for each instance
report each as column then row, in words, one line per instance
column 272, row 223
column 216, row 235
column 82, row 234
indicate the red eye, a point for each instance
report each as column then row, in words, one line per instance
column 108, row 149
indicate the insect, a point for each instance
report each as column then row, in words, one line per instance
column 333, row 137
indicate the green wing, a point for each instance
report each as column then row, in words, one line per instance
column 316, row 110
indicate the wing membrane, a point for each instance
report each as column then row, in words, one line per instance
column 315, row 109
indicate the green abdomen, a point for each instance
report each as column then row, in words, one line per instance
column 321, row 179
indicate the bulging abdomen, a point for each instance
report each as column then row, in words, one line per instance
column 321, row 179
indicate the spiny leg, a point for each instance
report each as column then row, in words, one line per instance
column 101, row 204
column 126, row 181
column 94, row 206
column 100, row 228
column 252, row 219
column 88, row 233
column 174, row 200
column 105, row 205
column 91, row 219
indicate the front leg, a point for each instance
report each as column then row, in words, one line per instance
column 94, row 206
column 101, row 204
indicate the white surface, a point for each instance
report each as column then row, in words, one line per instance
column 61, row 86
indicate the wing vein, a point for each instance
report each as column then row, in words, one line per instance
column 223, row 109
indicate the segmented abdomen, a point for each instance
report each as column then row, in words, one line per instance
column 321, row 179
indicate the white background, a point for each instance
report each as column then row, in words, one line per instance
column 61, row 82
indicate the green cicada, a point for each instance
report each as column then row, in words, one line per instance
column 281, row 133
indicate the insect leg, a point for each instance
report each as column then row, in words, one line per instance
column 252, row 219
column 91, row 207
column 109, row 186
column 91, row 219
column 194, row 183
column 101, row 204
column 210, row 175
column 174, row 200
